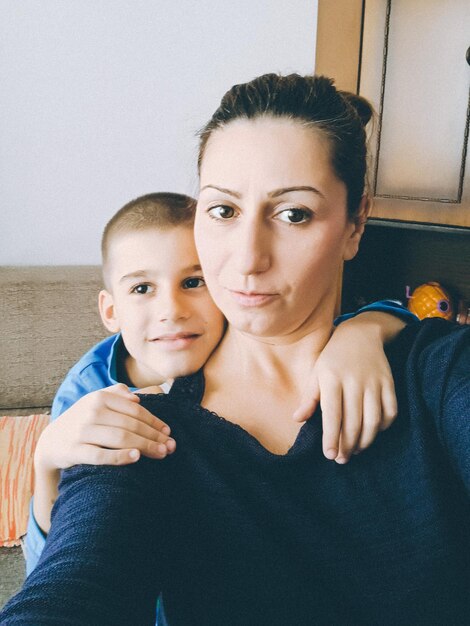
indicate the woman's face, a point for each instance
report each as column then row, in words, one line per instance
column 272, row 227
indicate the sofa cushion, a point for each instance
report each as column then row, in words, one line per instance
column 48, row 319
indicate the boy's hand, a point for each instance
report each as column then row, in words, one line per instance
column 353, row 382
column 105, row 427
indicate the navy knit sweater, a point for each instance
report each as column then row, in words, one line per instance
column 232, row 534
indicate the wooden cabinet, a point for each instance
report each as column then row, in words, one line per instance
column 409, row 59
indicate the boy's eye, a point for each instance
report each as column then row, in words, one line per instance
column 194, row 282
column 142, row 289
column 294, row 216
column 221, row 212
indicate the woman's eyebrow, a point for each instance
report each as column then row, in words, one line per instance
column 222, row 189
column 272, row 194
column 283, row 190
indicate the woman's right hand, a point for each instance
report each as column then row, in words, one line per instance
column 105, row 427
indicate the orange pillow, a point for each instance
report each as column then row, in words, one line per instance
column 18, row 438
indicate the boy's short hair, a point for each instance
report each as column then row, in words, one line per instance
column 161, row 210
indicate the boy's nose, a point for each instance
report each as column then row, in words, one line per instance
column 172, row 309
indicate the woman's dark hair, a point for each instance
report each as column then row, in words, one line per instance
column 315, row 102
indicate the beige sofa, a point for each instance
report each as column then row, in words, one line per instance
column 48, row 319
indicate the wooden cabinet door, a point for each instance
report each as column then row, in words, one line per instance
column 411, row 64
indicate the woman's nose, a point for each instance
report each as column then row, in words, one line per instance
column 253, row 253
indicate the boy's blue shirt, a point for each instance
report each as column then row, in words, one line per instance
column 98, row 368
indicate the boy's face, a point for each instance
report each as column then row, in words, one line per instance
column 158, row 300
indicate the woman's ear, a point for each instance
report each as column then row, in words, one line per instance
column 352, row 245
column 108, row 311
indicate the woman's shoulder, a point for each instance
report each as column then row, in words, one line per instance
column 422, row 340
column 434, row 342
column 429, row 358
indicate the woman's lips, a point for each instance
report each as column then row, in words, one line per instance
column 252, row 298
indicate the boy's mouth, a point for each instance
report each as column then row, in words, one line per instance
column 176, row 341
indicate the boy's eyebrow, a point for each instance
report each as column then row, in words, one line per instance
column 144, row 274
column 137, row 274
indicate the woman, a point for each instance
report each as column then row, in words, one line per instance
column 263, row 529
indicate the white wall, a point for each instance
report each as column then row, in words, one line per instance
column 100, row 101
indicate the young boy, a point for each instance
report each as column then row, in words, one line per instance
column 166, row 325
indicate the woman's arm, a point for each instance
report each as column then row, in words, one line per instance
column 99, row 564
column 70, row 440
column 443, row 372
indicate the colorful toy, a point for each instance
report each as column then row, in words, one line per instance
column 430, row 300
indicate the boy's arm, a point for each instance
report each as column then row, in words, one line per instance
column 53, row 454
column 105, row 427
column 353, row 378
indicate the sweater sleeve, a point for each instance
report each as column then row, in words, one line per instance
column 445, row 376
column 454, row 413
column 96, row 568
column 76, row 384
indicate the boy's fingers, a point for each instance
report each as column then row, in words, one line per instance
column 308, row 404
column 331, row 406
column 119, row 439
column 122, row 390
column 150, row 390
column 389, row 404
column 351, row 424
column 93, row 455
column 122, row 405
column 372, row 418
column 126, row 423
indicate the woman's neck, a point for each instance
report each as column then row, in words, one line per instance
column 257, row 382
column 287, row 360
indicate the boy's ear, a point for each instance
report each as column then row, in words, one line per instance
column 352, row 245
column 108, row 311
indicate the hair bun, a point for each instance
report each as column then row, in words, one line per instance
column 363, row 107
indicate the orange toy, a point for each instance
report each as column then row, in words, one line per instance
column 430, row 300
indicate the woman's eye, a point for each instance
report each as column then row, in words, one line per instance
column 295, row 216
column 221, row 212
column 194, row 282
column 142, row 289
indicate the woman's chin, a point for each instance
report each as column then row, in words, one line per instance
column 258, row 324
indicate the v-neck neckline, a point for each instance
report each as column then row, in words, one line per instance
column 192, row 388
